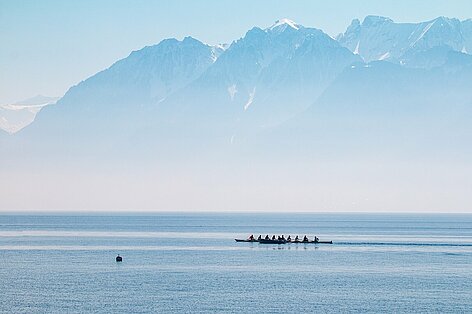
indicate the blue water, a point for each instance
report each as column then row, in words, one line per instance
column 190, row 263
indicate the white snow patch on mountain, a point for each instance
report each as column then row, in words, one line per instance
column 232, row 91
column 425, row 30
column 384, row 56
column 217, row 50
column 282, row 24
column 250, row 100
column 356, row 51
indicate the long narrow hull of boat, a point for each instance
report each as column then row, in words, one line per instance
column 246, row 240
column 263, row 241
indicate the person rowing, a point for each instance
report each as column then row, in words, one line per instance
column 289, row 239
column 259, row 238
column 296, row 239
column 305, row 239
column 251, row 237
column 273, row 237
column 316, row 239
column 267, row 237
column 282, row 238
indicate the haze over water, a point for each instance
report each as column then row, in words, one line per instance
column 190, row 263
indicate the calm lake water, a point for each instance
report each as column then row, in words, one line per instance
column 190, row 263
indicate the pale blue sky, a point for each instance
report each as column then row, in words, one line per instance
column 49, row 45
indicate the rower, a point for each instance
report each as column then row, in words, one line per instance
column 305, row 239
column 273, row 237
column 259, row 238
column 289, row 238
column 251, row 237
column 119, row 258
column 316, row 239
column 267, row 237
column 296, row 238
column 282, row 238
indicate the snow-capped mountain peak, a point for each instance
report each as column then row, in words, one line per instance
column 373, row 20
column 282, row 24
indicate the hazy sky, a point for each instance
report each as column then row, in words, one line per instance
column 49, row 45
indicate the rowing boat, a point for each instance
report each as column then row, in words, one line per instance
column 270, row 241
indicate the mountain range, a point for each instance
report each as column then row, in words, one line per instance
column 265, row 78
column 381, row 92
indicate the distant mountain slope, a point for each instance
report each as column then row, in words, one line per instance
column 14, row 117
column 112, row 105
column 383, row 110
column 146, row 76
column 267, row 76
column 467, row 34
column 379, row 38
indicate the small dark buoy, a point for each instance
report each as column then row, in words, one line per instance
column 119, row 258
